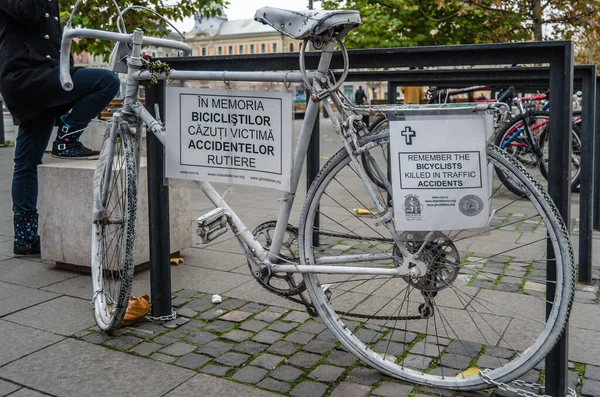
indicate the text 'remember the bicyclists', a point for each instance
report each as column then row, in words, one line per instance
column 30, row 36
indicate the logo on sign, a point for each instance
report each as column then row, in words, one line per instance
column 408, row 134
column 412, row 206
column 470, row 205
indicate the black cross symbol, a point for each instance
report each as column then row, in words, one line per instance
column 409, row 134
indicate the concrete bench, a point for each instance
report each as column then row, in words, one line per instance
column 65, row 205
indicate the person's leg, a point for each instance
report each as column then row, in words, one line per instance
column 93, row 90
column 31, row 143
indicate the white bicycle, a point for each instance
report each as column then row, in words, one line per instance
column 405, row 303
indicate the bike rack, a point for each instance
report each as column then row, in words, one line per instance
column 597, row 163
column 158, row 212
column 1, row 122
column 535, row 79
column 558, row 54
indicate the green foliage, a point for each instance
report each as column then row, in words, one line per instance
column 393, row 23
column 389, row 23
column 103, row 15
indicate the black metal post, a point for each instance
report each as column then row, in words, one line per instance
column 597, row 160
column 392, row 92
column 586, row 207
column 158, row 211
column 2, row 141
column 559, row 188
column 313, row 164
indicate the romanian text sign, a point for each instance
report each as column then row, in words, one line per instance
column 440, row 175
column 229, row 136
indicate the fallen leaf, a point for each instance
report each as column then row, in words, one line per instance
column 473, row 371
column 176, row 261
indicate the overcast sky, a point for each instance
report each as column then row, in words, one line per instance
column 245, row 9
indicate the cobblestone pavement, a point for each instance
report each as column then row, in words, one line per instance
column 289, row 352
column 254, row 342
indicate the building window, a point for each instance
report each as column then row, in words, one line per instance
column 263, row 48
column 230, row 52
column 153, row 54
column 274, row 47
column 291, row 47
column 220, row 50
column 241, row 49
column 167, row 55
column 251, row 48
column 203, row 51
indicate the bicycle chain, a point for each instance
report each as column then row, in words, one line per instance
column 311, row 307
column 520, row 383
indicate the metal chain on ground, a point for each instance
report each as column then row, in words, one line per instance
column 167, row 317
column 520, row 383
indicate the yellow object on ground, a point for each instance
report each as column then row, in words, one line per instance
column 362, row 211
column 136, row 309
column 473, row 371
column 176, row 261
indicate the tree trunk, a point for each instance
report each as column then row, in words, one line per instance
column 537, row 20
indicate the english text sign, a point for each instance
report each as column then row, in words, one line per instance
column 440, row 175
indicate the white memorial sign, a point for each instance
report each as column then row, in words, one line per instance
column 440, row 176
column 229, row 136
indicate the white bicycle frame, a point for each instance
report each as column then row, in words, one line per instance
column 135, row 111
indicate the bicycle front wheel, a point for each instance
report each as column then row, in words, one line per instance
column 481, row 303
column 113, row 230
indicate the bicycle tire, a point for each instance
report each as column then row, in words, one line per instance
column 575, row 154
column 353, row 296
column 527, row 155
column 113, row 230
column 379, row 124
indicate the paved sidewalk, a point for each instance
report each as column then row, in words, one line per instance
column 252, row 344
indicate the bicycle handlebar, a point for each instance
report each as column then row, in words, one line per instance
column 69, row 34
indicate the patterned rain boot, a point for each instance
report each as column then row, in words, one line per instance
column 27, row 240
column 67, row 145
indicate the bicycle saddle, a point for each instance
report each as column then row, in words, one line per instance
column 302, row 25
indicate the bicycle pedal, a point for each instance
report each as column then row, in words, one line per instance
column 212, row 225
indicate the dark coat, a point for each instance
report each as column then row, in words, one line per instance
column 30, row 36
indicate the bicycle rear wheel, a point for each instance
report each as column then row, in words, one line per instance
column 512, row 140
column 486, row 302
column 113, row 230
